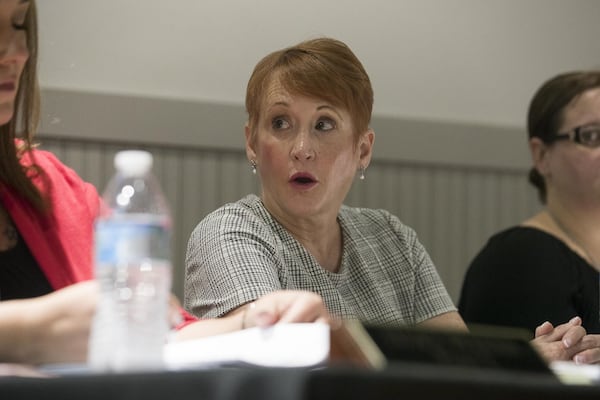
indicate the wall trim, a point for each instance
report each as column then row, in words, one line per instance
column 176, row 122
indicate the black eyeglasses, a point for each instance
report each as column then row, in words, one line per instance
column 586, row 135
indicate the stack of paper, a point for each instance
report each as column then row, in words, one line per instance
column 280, row 345
column 580, row 374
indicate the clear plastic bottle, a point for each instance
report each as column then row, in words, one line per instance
column 132, row 257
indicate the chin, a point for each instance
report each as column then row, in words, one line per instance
column 5, row 115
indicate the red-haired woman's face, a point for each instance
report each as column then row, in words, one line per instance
column 306, row 154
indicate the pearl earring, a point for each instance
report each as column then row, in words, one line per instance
column 253, row 166
column 362, row 173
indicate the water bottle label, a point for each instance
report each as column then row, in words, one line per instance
column 119, row 241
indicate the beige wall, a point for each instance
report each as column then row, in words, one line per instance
column 452, row 81
column 466, row 61
column 454, row 200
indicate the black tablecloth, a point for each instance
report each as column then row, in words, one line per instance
column 399, row 380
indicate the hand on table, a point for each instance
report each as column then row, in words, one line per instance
column 285, row 306
column 279, row 306
column 567, row 342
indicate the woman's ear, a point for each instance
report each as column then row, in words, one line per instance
column 365, row 147
column 539, row 155
column 250, row 153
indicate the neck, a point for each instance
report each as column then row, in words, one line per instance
column 317, row 229
column 579, row 228
column 582, row 219
column 321, row 238
column 323, row 242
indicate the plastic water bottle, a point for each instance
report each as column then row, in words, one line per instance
column 132, row 261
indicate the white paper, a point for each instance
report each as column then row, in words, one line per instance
column 280, row 345
column 571, row 373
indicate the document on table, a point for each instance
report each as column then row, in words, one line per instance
column 280, row 345
column 571, row 373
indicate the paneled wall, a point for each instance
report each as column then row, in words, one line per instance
column 453, row 208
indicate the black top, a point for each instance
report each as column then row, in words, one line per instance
column 20, row 274
column 523, row 277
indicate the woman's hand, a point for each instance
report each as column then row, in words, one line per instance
column 567, row 342
column 588, row 350
column 279, row 306
column 285, row 306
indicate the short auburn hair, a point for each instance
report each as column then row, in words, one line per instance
column 322, row 68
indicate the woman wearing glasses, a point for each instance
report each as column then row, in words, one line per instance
column 547, row 268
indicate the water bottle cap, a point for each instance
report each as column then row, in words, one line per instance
column 133, row 162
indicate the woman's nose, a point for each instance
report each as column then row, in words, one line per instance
column 303, row 148
column 13, row 45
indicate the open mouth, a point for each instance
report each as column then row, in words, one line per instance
column 303, row 179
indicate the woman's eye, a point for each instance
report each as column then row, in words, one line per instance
column 591, row 136
column 325, row 125
column 279, row 123
column 19, row 18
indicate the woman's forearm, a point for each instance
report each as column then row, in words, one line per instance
column 208, row 327
column 14, row 331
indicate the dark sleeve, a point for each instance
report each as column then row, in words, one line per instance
column 519, row 279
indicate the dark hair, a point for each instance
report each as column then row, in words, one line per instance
column 323, row 68
column 546, row 111
column 25, row 117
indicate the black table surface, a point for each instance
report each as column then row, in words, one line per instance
column 398, row 380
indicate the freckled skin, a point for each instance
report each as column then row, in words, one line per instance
column 315, row 138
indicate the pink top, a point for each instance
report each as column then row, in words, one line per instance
column 61, row 240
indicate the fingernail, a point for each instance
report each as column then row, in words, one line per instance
column 567, row 343
column 579, row 359
column 263, row 318
column 572, row 320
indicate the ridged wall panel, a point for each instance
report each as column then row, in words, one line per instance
column 453, row 209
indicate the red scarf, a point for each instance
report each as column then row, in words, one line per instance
column 60, row 240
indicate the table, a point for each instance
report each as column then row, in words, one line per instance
column 398, row 380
